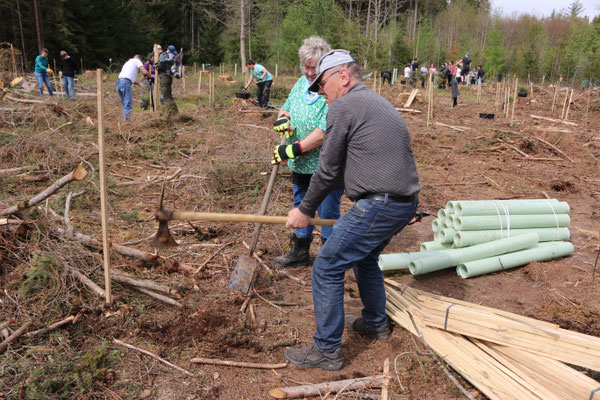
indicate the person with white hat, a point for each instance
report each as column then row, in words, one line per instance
column 367, row 147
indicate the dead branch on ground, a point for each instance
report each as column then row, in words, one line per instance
column 162, row 360
column 213, row 361
column 78, row 174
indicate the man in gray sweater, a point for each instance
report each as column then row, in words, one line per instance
column 367, row 148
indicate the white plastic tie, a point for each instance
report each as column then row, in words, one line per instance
column 555, row 218
column 499, row 219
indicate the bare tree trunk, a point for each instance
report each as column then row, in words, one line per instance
column 37, row 26
column 243, row 35
column 21, row 31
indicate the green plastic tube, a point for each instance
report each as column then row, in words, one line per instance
column 441, row 213
column 448, row 223
column 437, row 224
column 454, row 257
column 433, row 246
column 445, row 236
column 484, row 222
column 389, row 262
column 470, row 238
column 544, row 251
column 515, row 207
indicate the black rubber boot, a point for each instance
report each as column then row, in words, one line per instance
column 299, row 254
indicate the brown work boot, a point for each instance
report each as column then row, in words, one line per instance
column 299, row 254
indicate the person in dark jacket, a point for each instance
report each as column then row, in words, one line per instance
column 455, row 91
column 480, row 73
column 386, row 75
column 69, row 70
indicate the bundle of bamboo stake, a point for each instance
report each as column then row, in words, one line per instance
column 491, row 361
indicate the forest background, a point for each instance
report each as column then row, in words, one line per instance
column 382, row 34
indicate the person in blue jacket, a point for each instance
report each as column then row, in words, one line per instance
column 42, row 71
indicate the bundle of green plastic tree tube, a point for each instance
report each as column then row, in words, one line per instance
column 482, row 236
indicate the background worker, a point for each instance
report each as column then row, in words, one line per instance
column 165, row 77
column 69, row 70
column 367, row 146
column 148, row 82
column 466, row 64
column 264, row 80
column 386, row 75
column 41, row 72
column 125, row 81
column 303, row 118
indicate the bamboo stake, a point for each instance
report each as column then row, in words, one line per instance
column 587, row 107
column 103, row 211
column 200, row 84
column 55, row 73
column 183, row 77
column 12, row 54
column 512, row 115
column 569, row 104
column 506, row 101
column 129, row 346
column 562, row 114
column 212, row 361
column 386, row 380
column 156, row 81
column 554, row 97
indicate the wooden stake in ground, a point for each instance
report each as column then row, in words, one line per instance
column 506, row 101
column 183, row 77
column 156, row 81
column 554, row 97
column 587, row 107
column 562, row 113
column 105, row 243
column 12, row 54
column 54, row 74
column 386, row 380
column 569, row 104
column 200, row 84
column 512, row 115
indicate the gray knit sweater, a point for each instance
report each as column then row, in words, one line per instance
column 366, row 147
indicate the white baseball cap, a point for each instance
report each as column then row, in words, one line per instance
column 332, row 59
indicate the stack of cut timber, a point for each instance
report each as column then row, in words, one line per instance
column 504, row 355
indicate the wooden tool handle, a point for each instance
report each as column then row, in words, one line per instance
column 222, row 217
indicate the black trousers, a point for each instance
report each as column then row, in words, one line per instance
column 264, row 89
column 384, row 78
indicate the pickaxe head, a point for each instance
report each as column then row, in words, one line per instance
column 163, row 238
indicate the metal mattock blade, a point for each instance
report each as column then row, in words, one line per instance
column 243, row 275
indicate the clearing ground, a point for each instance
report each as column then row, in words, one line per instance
column 217, row 159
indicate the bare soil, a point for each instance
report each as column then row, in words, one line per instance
column 224, row 158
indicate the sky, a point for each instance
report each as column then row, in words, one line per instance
column 544, row 7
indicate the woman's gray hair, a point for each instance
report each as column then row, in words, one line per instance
column 313, row 48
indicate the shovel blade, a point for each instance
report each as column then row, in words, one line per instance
column 243, row 275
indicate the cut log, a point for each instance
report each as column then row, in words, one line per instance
column 78, row 174
column 456, row 128
column 18, row 81
column 124, row 277
column 10, row 171
column 294, row 392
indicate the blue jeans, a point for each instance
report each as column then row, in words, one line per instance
column 329, row 208
column 126, row 95
column 69, row 86
column 41, row 80
column 356, row 242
